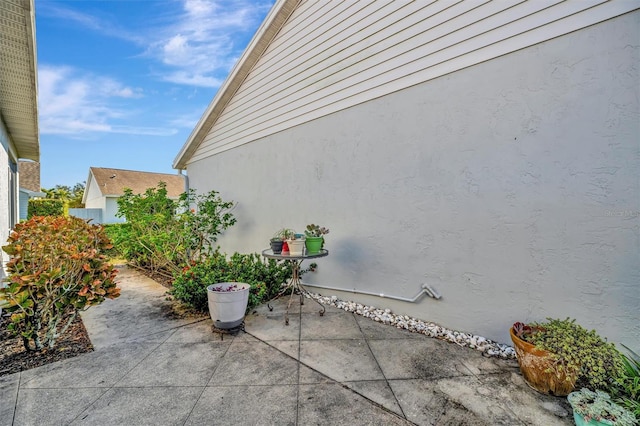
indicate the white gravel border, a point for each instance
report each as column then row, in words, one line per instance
column 404, row 322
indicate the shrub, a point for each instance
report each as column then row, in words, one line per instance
column 163, row 235
column 44, row 207
column 265, row 277
column 120, row 236
column 57, row 269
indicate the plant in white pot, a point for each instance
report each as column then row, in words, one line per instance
column 296, row 245
column 228, row 303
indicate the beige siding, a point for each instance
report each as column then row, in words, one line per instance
column 333, row 55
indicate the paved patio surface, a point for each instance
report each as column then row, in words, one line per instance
column 339, row 369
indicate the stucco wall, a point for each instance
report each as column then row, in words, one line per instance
column 5, row 226
column 512, row 187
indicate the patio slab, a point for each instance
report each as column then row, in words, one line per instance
column 150, row 368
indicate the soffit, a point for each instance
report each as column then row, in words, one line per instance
column 18, row 85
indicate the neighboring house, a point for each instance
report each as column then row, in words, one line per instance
column 488, row 150
column 29, row 172
column 104, row 187
column 18, row 106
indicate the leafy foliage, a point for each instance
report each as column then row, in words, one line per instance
column 44, row 207
column 162, row 235
column 57, row 269
column 313, row 230
column 70, row 196
column 265, row 277
column 575, row 349
column 599, row 406
column 627, row 391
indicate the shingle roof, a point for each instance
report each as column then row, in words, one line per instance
column 29, row 172
column 114, row 181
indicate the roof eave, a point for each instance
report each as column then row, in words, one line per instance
column 269, row 28
column 23, row 127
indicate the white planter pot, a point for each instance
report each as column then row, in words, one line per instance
column 296, row 247
column 227, row 308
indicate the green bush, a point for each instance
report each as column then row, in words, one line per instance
column 44, row 207
column 163, row 235
column 120, row 236
column 57, row 268
column 265, row 277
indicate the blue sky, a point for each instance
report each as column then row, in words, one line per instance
column 123, row 82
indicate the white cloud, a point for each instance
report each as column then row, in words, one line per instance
column 74, row 103
column 200, row 47
column 98, row 24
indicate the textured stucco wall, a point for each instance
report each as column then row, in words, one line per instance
column 5, row 226
column 512, row 187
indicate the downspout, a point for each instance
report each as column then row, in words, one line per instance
column 186, row 180
column 426, row 289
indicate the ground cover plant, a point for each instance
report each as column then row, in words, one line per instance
column 57, row 269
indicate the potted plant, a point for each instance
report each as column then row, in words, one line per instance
column 278, row 240
column 315, row 240
column 228, row 303
column 296, row 244
column 556, row 354
column 597, row 408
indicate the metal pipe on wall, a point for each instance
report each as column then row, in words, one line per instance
column 426, row 290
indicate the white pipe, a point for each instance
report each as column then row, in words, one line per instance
column 425, row 290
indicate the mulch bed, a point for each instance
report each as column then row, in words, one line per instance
column 14, row 357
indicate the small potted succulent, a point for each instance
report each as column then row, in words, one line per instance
column 556, row 354
column 278, row 242
column 315, row 238
column 296, row 244
column 597, row 409
column 279, row 238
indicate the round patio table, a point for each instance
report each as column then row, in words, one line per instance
column 294, row 282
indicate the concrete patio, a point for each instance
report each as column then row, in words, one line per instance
column 150, row 368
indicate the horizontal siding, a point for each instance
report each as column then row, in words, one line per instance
column 333, row 55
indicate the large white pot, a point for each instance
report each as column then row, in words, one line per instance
column 227, row 308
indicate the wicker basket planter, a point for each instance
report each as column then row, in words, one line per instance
column 539, row 370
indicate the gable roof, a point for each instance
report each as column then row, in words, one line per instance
column 268, row 30
column 112, row 182
column 18, row 83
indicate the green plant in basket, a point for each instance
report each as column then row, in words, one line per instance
column 595, row 362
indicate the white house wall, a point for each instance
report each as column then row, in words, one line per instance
column 511, row 187
column 333, row 55
column 5, row 217
column 111, row 208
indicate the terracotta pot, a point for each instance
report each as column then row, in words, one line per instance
column 537, row 367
